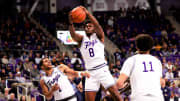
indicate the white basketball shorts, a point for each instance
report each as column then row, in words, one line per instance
column 99, row 76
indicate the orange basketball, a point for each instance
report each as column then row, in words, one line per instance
column 78, row 15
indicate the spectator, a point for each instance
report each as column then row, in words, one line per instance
column 175, row 72
column 20, row 65
column 12, row 97
column 169, row 65
column 9, row 68
column 45, row 55
column 52, row 54
column 37, row 58
column 31, row 56
column 23, row 98
column 3, row 73
column 24, row 56
column 169, row 75
column 10, row 75
column 117, row 55
column 164, row 70
column 12, row 61
column 166, row 91
column 55, row 62
column 6, row 93
column 28, row 65
column 174, row 92
column 76, row 51
column 35, row 73
column 111, row 68
column 5, row 60
column 66, row 58
column 75, row 58
column 19, row 78
column 117, row 65
column 111, row 21
column 2, row 84
column 77, row 66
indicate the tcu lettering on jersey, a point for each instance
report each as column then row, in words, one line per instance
column 90, row 43
column 55, row 79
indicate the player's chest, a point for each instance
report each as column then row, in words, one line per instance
column 54, row 78
column 90, row 43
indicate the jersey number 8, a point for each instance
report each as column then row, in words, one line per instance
column 91, row 52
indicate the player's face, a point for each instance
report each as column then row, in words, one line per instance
column 89, row 28
column 47, row 64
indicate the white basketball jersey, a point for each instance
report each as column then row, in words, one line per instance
column 92, row 50
column 145, row 72
column 66, row 89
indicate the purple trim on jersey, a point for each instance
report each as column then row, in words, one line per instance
column 98, row 67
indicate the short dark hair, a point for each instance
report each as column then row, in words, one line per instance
column 144, row 42
column 41, row 62
column 88, row 21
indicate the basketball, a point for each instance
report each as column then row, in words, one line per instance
column 78, row 15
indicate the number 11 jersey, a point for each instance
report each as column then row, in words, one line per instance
column 92, row 50
column 145, row 72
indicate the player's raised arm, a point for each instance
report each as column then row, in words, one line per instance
column 98, row 28
column 46, row 92
column 78, row 38
column 67, row 70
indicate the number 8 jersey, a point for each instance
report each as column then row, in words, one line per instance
column 92, row 50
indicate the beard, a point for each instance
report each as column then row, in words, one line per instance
column 48, row 67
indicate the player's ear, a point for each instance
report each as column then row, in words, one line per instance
column 42, row 67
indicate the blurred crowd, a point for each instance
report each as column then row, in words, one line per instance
column 23, row 45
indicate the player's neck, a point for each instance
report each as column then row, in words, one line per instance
column 49, row 72
column 143, row 52
column 88, row 35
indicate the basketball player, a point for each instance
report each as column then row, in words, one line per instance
column 144, row 71
column 55, row 82
column 92, row 50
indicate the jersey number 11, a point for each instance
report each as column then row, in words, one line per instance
column 145, row 69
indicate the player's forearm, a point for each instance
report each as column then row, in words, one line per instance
column 93, row 20
column 98, row 28
column 72, row 30
column 74, row 35
column 49, row 94
column 120, row 84
column 71, row 72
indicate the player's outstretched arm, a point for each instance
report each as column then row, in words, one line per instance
column 69, row 71
column 122, row 78
column 98, row 28
column 46, row 92
column 77, row 37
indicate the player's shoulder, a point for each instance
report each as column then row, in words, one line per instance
column 131, row 58
column 43, row 78
column 155, row 58
column 94, row 35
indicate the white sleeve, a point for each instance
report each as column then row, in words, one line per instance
column 128, row 66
